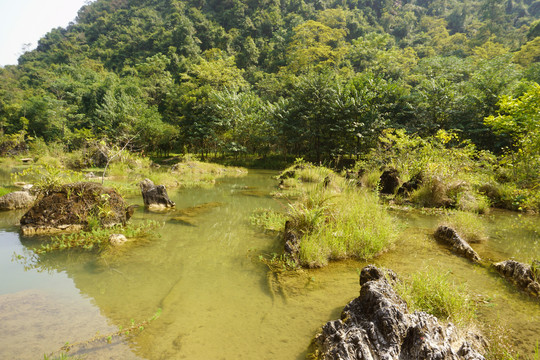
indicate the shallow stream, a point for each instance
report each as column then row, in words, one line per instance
column 217, row 299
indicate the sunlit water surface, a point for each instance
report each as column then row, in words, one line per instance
column 217, row 299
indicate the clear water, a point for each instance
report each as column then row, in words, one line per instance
column 217, row 299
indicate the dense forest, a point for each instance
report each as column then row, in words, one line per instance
column 314, row 78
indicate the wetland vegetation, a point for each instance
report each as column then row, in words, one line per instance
column 381, row 120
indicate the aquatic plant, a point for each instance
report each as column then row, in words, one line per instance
column 4, row 191
column 268, row 219
column 96, row 237
column 333, row 219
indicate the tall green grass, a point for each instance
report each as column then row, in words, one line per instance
column 470, row 227
column 334, row 226
column 435, row 293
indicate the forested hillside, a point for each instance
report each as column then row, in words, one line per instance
column 313, row 78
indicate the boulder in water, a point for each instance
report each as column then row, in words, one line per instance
column 413, row 184
column 16, row 200
column 155, row 197
column 117, row 239
column 526, row 277
column 71, row 207
column 449, row 236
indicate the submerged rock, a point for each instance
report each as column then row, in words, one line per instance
column 16, row 200
column 155, row 197
column 526, row 277
column 72, row 206
column 377, row 325
column 188, row 216
column 389, row 181
column 450, row 237
column 117, row 239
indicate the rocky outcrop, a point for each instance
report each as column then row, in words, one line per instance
column 16, row 200
column 450, row 237
column 389, row 181
column 377, row 325
column 155, row 197
column 526, row 277
column 71, row 207
column 413, row 184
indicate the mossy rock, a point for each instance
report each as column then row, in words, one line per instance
column 73, row 207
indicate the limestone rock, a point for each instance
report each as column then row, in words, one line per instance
column 16, row 200
column 449, row 236
column 117, row 239
column 524, row 276
column 413, row 184
column 71, row 207
column 377, row 325
column 389, row 181
column 155, row 197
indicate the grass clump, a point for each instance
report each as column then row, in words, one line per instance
column 302, row 173
column 469, row 226
column 47, row 178
column 348, row 225
column 433, row 292
column 334, row 219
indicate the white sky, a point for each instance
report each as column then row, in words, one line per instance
column 26, row 21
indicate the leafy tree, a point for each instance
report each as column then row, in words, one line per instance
column 519, row 118
column 315, row 45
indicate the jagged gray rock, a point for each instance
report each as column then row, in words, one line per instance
column 450, row 237
column 377, row 326
column 155, row 197
column 524, row 276
column 16, row 200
